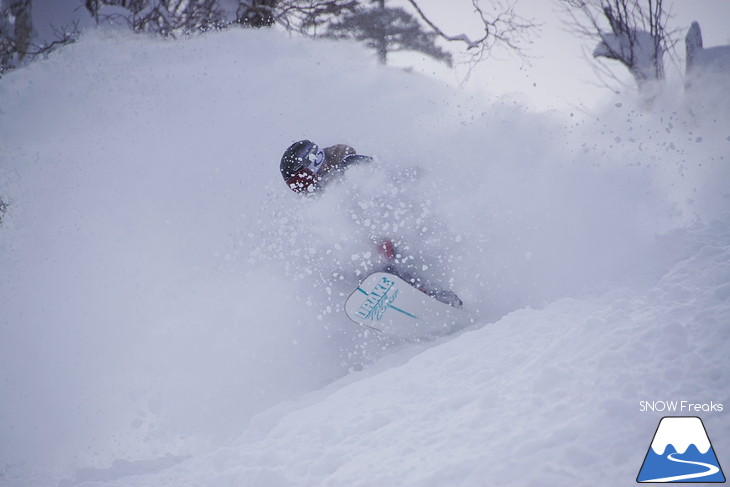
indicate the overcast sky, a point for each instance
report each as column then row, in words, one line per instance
column 558, row 74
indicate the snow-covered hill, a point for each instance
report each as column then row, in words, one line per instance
column 171, row 313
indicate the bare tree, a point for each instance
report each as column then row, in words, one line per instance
column 632, row 32
column 16, row 29
column 168, row 18
column 256, row 13
column 18, row 44
column 387, row 29
column 381, row 26
column 502, row 27
column 311, row 17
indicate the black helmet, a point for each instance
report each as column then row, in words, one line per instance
column 300, row 164
column 298, row 155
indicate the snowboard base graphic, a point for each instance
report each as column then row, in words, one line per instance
column 389, row 305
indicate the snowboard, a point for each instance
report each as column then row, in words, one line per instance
column 389, row 305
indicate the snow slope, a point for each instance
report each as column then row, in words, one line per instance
column 171, row 313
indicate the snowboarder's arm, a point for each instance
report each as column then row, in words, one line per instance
column 341, row 156
column 355, row 159
column 337, row 153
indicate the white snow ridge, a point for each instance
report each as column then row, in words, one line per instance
column 681, row 432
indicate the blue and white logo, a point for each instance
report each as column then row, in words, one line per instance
column 681, row 452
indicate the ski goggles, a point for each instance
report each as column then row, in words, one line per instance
column 306, row 174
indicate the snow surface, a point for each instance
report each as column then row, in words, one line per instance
column 171, row 314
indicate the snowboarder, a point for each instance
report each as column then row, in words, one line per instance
column 307, row 169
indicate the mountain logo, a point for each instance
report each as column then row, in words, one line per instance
column 680, row 452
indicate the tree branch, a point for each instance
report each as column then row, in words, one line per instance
column 459, row 38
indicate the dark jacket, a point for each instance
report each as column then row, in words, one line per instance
column 336, row 159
